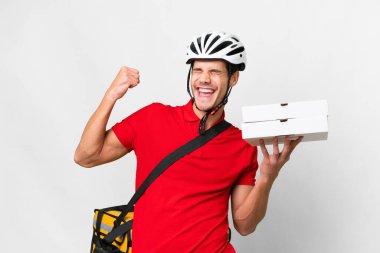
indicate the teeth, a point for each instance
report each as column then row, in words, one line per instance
column 205, row 90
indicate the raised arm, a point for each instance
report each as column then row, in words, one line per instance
column 98, row 146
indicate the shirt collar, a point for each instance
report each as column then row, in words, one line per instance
column 189, row 114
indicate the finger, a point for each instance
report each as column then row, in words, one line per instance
column 276, row 151
column 134, row 84
column 126, row 71
column 133, row 73
column 287, row 141
column 129, row 81
column 135, row 78
column 294, row 143
column 132, row 70
column 264, row 149
column 286, row 148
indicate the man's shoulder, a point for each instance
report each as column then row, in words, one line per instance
column 154, row 108
column 234, row 134
column 234, row 131
column 155, row 111
column 162, row 105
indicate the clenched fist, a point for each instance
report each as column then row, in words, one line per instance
column 125, row 79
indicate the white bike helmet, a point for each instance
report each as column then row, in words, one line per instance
column 217, row 45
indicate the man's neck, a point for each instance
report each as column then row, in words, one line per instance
column 211, row 118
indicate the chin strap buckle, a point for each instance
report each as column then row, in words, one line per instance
column 202, row 124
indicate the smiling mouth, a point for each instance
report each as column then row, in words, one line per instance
column 205, row 92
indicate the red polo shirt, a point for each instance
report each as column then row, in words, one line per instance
column 185, row 209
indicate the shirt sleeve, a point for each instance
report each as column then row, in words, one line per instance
column 248, row 175
column 124, row 132
column 129, row 129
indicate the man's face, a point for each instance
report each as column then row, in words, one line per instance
column 209, row 83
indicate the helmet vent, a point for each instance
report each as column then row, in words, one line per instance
column 199, row 44
column 192, row 47
column 221, row 46
column 213, row 41
column 235, row 39
column 206, row 39
column 236, row 51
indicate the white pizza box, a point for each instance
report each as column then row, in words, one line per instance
column 295, row 110
column 308, row 119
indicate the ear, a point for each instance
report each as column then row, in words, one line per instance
column 234, row 79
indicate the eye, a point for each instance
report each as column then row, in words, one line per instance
column 216, row 72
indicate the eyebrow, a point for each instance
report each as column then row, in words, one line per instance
column 211, row 70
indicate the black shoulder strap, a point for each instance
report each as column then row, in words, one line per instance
column 159, row 169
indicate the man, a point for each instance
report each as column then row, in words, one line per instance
column 185, row 209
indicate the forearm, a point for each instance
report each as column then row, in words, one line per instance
column 254, row 207
column 94, row 133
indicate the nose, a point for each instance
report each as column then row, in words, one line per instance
column 204, row 77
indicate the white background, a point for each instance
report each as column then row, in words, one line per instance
column 57, row 58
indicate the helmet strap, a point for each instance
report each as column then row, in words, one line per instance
column 188, row 83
